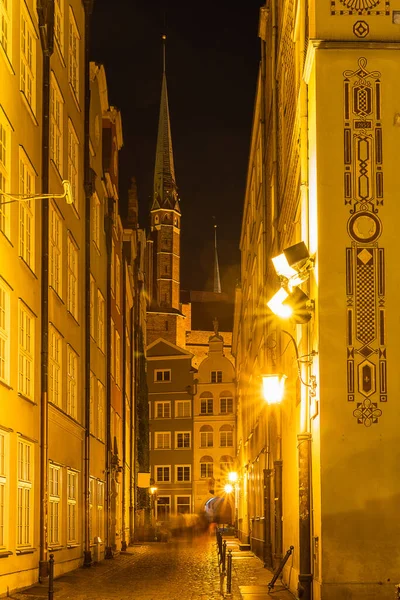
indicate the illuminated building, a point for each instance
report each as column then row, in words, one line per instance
column 319, row 470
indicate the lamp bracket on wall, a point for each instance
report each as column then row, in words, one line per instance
column 67, row 194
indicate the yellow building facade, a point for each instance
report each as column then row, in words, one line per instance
column 319, row 470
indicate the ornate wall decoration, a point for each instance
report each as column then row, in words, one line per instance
column 365, row 260
column 361, row 29
column 360, row 7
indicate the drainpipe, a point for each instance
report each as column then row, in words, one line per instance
column 46, row 28
column 304, row 437
column 132, row 478
column 108, row 228
column 87, row 556
column 124, row 358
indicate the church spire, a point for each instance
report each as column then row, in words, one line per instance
column 165, row 189
column 217, row 281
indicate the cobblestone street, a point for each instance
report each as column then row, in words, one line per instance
column 178, row 570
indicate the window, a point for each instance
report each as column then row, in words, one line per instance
column 206, row 467
column 100, row 509
column 112, row 348
column 96, row 220
column 163, row 473
column 4, row 170
column 100, row 320
column 74, row 38
column 162, row 375
column 206, row 404
column 56, row 124
column 101, row 394
column 226, row 465
column 5, row 26
column 54, row 504
column 92, row 303
column 72, row 485
column 183, row 473
column 25, row 352
column 162, row 410
column 117, row 282
column 225, row 403
column 163, row 440
column 3, row 487
column 206, row 436
column 72, row 382
column 112, row 274
column 4, row 333
column 72, row 278
column 226, row 436
column 59, row 23
column 28, row 59
column 216, row 376
column 182, row 439
column 55, row 250
column 55, row 362
column 183, row 504
column 182, row 408
column 92, row 381
column 117, row 358
column 73, row 163
column 26, row 210
column 163, row 508
column 24, row 503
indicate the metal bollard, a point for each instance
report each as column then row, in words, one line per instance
column 224, row 557
column 51, row 577
column 229, row 573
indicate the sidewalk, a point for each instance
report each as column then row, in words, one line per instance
column 250, row 578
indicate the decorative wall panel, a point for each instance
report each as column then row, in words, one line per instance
column 360, row 7
column 365, row 260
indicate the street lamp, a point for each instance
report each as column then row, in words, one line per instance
column 273, row 388
column 67, row 194
column 153, row 496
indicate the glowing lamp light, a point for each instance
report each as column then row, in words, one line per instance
column 276, row 304
column 232, row 476
column 153, row 490
column 273, row 388
column 228, row 488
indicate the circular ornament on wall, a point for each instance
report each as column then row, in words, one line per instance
column 364, row 227
column 361, row 29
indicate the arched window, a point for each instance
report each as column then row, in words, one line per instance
column 206, row 467
column 206, row 436
column 225, row 465
column 206, row 403
column 226, row 436
column 225, row 402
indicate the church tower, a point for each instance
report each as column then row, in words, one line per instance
column 165, row 317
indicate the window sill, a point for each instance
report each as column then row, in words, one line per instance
column 28, row 266
column 29, row 108
column 72, row 546
column 6, row 385
column 5, row 553
column 56, row 294
column 7, row 59
column 55, row 548
column 22, row 551
column 56, row 170
column 27, row 399
column 75, row 97
column 59, row 51
column 3, row 232
column 73, row 317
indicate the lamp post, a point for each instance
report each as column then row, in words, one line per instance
column 153, row 496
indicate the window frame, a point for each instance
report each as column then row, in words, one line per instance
column 5, row 333
column 73, row 55
column 56, row 124
column 72, row 277
column 163, row 372
column 26, row 351
column 73, row 163
column 27, row 178
column 56, row 231
column 165, row 474
column 183, row 403
column 100, row 320
column 216, row 376
column 72, row 506
column 166, row 435
column 5, row 159
column 183, row 440
column 227, row 400
column 28, row 40
column 25, row 481
column 4, row 491
column 72, row 382
column 55, row 364
column 55, row 517
column 163, row 404
column 186, row 473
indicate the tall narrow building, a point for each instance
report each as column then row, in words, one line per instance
column 165, row 318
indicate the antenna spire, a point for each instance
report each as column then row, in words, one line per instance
column 217, row 281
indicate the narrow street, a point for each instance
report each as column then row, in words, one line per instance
column 178, row 570
column 181, row 569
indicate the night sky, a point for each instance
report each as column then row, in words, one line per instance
column 212, row 57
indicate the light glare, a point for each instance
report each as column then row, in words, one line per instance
column 279, row 309
column 273, row 388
